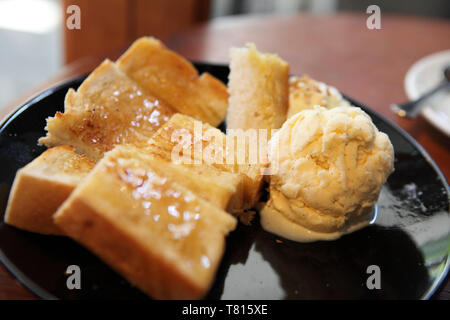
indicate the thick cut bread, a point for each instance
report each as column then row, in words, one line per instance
column 149, row 228
column 195, row 144
column 172, row 78
column 305, row 93
column 42, row 186
column 222, row 189
column 107, row 109
column 258, row 88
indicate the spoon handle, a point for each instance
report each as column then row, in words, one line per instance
column 412, row 108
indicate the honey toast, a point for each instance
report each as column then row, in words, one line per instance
column 206, row 146
column 107, row 109
column 42, row 186
column 305, row 93
column 258, row 89
column 156, row 233
column 175, row 80
column 219, row 188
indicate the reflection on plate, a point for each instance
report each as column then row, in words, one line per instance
column 423, row 76
column 409, row 241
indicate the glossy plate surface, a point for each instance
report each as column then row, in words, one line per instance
column 409, row 241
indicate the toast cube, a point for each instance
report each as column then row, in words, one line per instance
column 202, row 142
column 42, row 186
column 305, row 93
column 175, row 80
column 221, row 189
column 258, row 89
column 107, row 109
column 159, row 235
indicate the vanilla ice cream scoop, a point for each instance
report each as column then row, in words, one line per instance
column 328, row 166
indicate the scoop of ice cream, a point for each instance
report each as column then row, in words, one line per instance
column 328, row 166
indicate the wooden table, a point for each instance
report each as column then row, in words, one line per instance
column 368, row 65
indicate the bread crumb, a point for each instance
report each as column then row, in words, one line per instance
column 246, row 217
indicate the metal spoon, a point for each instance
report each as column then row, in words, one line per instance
column 412, row 108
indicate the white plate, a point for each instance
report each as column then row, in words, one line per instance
column 423, row 76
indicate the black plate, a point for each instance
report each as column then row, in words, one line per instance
column 409, row 242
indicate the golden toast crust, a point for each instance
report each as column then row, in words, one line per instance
column 249, row 188
column 107, row 109
column 305, row 93
column 175, row 80
column 42, row 186
column 152, row 274
column 147, row 226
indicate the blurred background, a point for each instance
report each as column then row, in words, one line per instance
column 35, row 43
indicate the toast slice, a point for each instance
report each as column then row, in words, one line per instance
column 156, row 233
column 172, row 78
column 42, row 186
column 206, row 146
column 305, row 93
column 107, row 109
column 217, row 187
column 258, row 88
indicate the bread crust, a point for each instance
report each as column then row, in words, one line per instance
column 42, row 186
column 175, row 80
column 107, row 109
column 147, row 226
column 305, row 93
column 148, row 271
column 33, row 202
column 249, row 188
